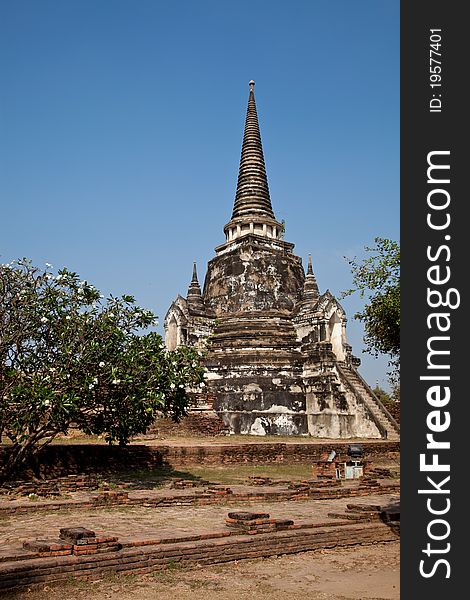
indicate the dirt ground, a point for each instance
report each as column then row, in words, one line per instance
column 354, row 573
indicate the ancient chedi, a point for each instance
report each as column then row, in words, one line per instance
column 277, row 361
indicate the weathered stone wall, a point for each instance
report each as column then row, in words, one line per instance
column 259, row 399
column 60, row 460
column 253, row 276
column 254, row 372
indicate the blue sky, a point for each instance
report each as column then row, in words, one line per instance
column 121, row 124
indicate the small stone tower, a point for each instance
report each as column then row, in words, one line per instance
column 277, row 361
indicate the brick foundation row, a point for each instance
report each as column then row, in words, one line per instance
column 146, row 559
column 61, row 460
column 211, row 496
column 52, row 487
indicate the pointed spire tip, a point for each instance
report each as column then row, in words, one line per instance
column 309, row 268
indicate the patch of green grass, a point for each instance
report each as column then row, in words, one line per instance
column 238, row 474
column 223, row 475
column 158, row 476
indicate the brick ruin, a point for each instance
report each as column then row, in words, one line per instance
column 74, row 549
column 85, row 540
column 278, row 361
column 82, row 553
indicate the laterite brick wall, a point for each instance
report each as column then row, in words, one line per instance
column 61, row 460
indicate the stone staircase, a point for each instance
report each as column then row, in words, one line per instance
column 384, row 420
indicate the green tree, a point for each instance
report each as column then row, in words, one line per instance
column 377, row 277
column 69, row 356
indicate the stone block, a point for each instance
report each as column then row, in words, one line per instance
column 364, row 507
column 247, row 516
column 72, row 534
column 47, row 545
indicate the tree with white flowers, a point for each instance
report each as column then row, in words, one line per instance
column 69, row 356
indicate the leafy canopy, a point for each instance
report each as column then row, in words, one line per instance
column 378, row 278
column 69, row 356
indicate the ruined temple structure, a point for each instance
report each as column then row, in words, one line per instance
column 278, row 361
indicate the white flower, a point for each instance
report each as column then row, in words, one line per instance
column 181, row 385
column 91, row 386
column 47, row 402
column 172, row 386
column 44, row 319
column 116, row 381
column 95, row 380
column 68, row 317
column 111, row 315
column 101, row 364
column 202, row 384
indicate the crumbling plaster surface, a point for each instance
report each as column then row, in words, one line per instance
column 252, row 277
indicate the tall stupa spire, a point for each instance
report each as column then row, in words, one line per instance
column 252, row 210
column 252, row 195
